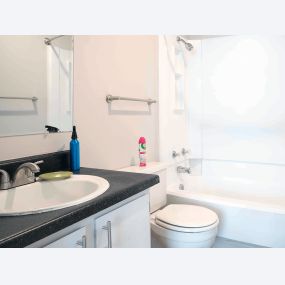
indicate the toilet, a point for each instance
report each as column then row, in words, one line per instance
column 176, row 225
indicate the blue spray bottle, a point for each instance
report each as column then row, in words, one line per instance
column 74, row 151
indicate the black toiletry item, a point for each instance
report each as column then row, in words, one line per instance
column 51, row 129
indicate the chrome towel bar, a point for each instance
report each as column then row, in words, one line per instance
column 20, row 98
column 111, row 98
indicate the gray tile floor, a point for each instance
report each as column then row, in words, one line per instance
column 229, row 243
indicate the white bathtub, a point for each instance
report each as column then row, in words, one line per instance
column 248, row 212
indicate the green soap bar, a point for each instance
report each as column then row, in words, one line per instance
column 56, row 175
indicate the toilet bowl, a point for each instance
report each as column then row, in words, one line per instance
column 176, row 225
column 179, row 225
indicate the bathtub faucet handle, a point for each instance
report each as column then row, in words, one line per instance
column 184, row 151
column 175, row 154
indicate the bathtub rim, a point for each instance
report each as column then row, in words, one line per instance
column 223, row 200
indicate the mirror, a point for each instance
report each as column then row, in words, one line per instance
column 36, row 84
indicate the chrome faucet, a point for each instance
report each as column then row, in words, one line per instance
column 181, row 169
column 25, row 173
column 4, row 180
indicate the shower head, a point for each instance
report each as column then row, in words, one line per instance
column 48, row 41
column 188, row 46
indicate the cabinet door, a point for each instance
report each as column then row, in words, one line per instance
column 76, row 239
column 127, row 226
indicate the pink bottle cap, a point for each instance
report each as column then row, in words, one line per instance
column 142, row 140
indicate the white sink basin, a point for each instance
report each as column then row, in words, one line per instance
column 43, row 196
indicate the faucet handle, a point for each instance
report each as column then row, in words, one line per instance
column 25, row 173
column 184, row 151
column 5, row 182
column 175, row 154
column 30, row 168
column 36, row 164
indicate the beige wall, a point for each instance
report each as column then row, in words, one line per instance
column 21, row 146
column 121, row 66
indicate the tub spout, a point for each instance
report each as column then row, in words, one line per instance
column 181, row 169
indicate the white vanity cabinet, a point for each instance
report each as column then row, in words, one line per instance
column 124, row 225
column 127, row 226
column 77, row 239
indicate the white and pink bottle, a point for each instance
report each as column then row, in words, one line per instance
column 142, row 151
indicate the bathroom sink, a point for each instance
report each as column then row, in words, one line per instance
column 44, row 196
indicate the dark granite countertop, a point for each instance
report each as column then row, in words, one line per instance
column 21, row 231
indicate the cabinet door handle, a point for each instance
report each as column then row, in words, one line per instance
column 108, row 228
column 82, row 242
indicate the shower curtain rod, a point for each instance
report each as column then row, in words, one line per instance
column 49, row 40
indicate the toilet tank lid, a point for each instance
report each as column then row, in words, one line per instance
column 151, row 167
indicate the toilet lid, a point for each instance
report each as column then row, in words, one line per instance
column 186, row 216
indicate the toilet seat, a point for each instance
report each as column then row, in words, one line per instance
column 186, row 230
column 186, row 218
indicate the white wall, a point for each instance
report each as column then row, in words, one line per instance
column 121, row 66
column 173, row 122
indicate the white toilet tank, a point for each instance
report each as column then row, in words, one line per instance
column 157, row 192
